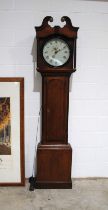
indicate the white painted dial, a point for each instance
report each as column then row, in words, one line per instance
column 56, row 52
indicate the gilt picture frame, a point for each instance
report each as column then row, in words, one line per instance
column 12, row 167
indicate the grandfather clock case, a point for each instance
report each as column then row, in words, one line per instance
column 56, row 61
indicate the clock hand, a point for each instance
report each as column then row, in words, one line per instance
column 59, row 50
column 62, row 48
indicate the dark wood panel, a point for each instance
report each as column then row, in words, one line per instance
column 55, row 99
column 60, row 157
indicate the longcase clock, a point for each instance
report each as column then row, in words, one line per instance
column 56, row 61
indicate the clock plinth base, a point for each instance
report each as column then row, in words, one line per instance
column 53, row 185
column 54, row 166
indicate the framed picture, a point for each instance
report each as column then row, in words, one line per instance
column 12, row 170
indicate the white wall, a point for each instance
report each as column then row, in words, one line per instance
column 88, row 115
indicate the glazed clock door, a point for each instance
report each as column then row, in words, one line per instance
column 56, row 52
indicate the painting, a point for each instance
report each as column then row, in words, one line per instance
column 5, row 126
column 12, row 132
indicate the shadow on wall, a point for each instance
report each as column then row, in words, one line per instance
column 37, row 87
column 37, row 76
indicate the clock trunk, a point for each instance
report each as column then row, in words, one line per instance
column 54, row 154
column 55, row 109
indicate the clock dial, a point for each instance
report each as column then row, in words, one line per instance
column 56, row 52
